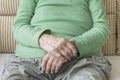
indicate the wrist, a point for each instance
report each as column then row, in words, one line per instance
column 42, row 37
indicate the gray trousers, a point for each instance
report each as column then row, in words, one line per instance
column 93, row 68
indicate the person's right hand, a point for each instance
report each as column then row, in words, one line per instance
column 65, row 48
column 51, row 63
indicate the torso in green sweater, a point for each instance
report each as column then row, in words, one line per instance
column 81, row 20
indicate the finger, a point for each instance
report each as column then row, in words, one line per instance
column 49, row 64
column 67, row 50
column 64, row 53
column 44, row 62
column 58, row 66
column 73, row 48
column 53, row 66
column 57, row 53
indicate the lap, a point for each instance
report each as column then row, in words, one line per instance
column 79, row 69
column 94, row 67
column 17, row 68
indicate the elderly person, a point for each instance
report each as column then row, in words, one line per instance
column 59, row 40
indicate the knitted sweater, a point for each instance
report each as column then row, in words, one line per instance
column 81, row 20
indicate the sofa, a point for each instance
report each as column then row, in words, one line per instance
column 111, row 50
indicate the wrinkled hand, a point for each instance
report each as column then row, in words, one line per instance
column 66, row 48
column 59, row 51
column 52, row 63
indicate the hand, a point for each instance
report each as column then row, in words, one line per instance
column 66, row 48
column 52, row 63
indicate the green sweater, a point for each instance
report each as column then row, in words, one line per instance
column 81, row 20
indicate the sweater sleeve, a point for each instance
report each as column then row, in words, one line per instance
column 23, row 31
column 91, row 42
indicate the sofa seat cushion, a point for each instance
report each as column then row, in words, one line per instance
column 114, row 60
